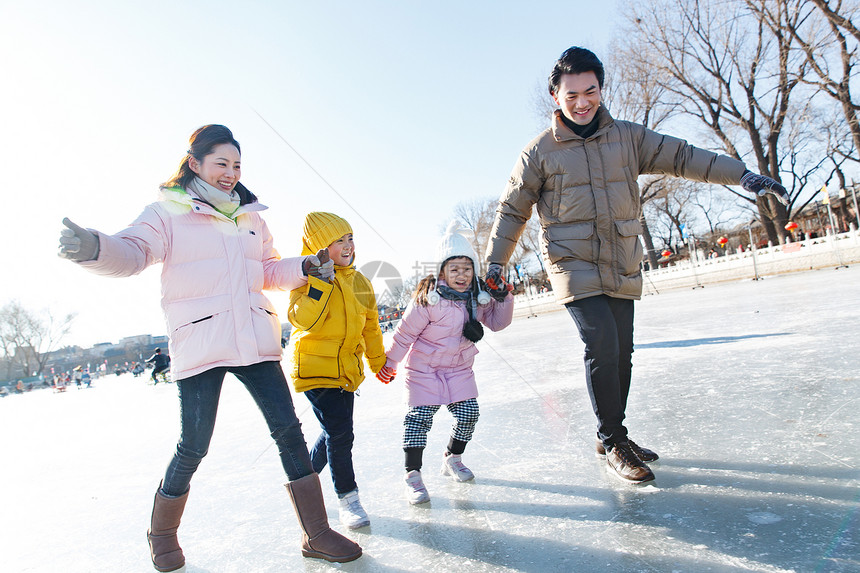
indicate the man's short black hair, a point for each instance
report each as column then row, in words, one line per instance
column 575, row 60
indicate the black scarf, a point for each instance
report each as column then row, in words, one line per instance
column 583, row 131
column 472, row 330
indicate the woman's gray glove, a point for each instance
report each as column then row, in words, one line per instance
column 762, row 184
column 78, row 244
column 319, row 265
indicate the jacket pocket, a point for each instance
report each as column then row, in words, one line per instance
column 201, row 332
column 317, row 358
column 267, row 326
column 570, row 242
column 630, row 247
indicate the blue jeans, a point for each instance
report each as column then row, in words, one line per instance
column 333, row 408
column 198, row 401
column 606, row 327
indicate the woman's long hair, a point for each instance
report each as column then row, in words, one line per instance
column 201, row 143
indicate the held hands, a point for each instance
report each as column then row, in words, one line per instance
column 499, row 287
column 78, row 244
column 386, row 374
column 319, row 265
column 762, row 184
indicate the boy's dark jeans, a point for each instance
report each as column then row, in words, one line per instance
column 333, row 408
column 606, row 327
column 198, row 400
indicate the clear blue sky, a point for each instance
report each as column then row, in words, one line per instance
column 406, row 109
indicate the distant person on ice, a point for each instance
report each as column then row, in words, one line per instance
column 581, row 174
column 217, row 257
column 439, row 331
column 336, row 328
column 160, row 363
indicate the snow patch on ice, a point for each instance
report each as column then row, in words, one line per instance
column 763, row 517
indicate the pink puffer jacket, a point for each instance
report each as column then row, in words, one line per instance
column 214, row 270
column 439, row 366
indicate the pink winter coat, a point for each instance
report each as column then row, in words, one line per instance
column 214, row 270
column 439, row 365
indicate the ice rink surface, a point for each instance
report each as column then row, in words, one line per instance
column 749, row 391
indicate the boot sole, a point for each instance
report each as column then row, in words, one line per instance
column 611, row 470
column 365, row 523
column 331, row 558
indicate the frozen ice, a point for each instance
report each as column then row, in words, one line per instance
column 748, row 390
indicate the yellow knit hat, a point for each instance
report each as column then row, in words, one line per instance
column 321, row 230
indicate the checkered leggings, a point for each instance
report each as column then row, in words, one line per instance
column 419, row 419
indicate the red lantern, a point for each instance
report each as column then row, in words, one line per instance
column 791, row 225
column 666, row 253
column 722, row 241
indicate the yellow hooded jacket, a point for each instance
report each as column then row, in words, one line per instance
column 336, row 324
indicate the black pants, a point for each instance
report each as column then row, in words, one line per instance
column 606, row 327
column 198, row 404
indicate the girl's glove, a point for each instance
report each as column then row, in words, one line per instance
column 319, row 265
column 386, row 374
column 496, row 283
column 762, row 184
column 78, row 244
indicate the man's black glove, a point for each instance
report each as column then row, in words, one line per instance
column 762, row 184
column 496, row 283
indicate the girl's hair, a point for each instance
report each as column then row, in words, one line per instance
column 201, row 143
column 425, row 285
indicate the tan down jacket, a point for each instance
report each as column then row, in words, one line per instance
column 588, row 201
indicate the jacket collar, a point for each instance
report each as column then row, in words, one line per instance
column 180, row 196
column 563, row 133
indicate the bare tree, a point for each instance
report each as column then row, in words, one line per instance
column 715, row 210
column 733, row 70
column 828, row 38
column 29, row 337
column 477, row 217
column 672, row 208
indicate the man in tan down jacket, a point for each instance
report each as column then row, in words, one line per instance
column 581, row 172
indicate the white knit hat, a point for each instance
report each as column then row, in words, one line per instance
column 454, row 244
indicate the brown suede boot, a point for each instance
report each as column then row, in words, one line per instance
column 163, row 544
column 318, row 539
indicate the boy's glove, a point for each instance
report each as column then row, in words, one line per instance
column 78, row 244
column 496, row 283
column 762, row 184
column 319, row 265
column 386, row 374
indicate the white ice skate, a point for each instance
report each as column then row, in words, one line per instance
column 352, row 515
column 452, row 465
column 415, row 491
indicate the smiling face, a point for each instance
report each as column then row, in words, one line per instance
column 342, row 250
column 458, row 273
column 221, row 169
column 578, row 96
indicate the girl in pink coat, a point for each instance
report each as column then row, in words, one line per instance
column 439, row 331
column 217, row 256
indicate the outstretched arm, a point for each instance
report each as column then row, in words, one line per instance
column 142, row 243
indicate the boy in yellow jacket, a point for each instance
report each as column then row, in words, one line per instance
column 336, row 324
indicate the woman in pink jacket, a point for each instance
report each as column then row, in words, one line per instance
column 441, row 328
column 217, row 257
